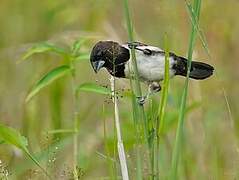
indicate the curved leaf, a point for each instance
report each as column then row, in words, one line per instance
column 91, row 87
column 48, row 79
column 82, row 56
column 42, row 47
column 11, row 136
column 57, row 131
column 77, row 45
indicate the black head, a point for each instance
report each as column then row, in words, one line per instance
column 110, row 55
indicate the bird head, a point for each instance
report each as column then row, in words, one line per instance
column 108, row 54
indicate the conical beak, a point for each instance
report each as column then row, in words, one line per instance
column 97, row 65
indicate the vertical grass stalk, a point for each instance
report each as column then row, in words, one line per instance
column 120, row 145
column 162, row 107
column 179, row 134
column 139, row 113
column 138, row 91
column 75, row 118
column 106, row 146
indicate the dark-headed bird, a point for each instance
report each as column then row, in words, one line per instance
column 116, row 58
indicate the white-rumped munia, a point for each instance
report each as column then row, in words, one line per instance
column 116, row 58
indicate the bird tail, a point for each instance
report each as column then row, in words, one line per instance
column 199, row 70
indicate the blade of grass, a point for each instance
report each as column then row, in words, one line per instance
column 91, row 87
column 57, row 131
column 163, row 102
column 13, row 137
column 43, row 154
column 179, row 134
column 138, row 110
column 82, row 57
column 77, row 46
column 195, row 23
column 110, row 162
column 48, row 79
column 164, row 95
column 205, row 46
column 41, row 48
column 138, row 91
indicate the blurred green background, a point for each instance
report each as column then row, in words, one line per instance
column 211, row 149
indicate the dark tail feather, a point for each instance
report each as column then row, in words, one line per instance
column 199, row 70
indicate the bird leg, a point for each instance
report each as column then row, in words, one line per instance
column 153, row 87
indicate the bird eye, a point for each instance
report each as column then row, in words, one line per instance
column 147, row 52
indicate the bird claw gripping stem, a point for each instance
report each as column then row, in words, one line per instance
column 141, row 100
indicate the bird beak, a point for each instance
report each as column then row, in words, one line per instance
column 97, row 65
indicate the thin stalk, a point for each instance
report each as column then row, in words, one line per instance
column 120, row 145
column 136, row 89
column 137, row 132
column 75, row 119
column 205, row 46
column 37, row 163
column 179, row 134
column 115, row 165
column 162, row 107
column 107, row 151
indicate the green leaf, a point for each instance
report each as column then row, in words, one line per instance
column 82, row 56
column 195, row 23
column 179, row 134
column 57, row 131
column 11, row 136
column 77, row 45
column 48, row 79
column 41, row 48
column 91, row 87
column 164, row 95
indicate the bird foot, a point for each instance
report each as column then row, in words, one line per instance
column 141, row 100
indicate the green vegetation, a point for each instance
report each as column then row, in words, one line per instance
column 60, row 120
column 179, row 134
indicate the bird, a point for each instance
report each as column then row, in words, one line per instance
column 150, row 60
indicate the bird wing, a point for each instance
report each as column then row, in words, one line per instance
column 144, row 48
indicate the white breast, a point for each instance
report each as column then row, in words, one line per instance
column 150, row 67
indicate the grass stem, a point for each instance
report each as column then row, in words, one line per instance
column 120, row 145
column 163, row 102
column 179, row 133
column 75, row 120
column 140, row 116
